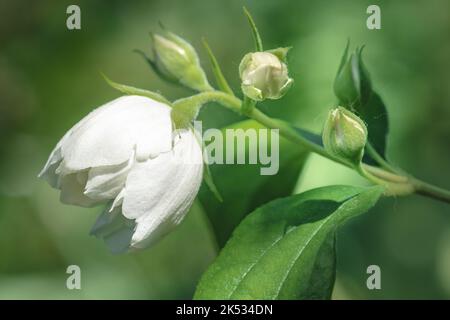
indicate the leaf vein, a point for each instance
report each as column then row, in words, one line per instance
column 291, row 266
column 254, row 264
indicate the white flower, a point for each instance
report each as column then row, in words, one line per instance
column 124, row 153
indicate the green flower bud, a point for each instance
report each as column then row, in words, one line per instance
column 344, row 135
column 176, row 60
column 264, row 75
column 352, row 84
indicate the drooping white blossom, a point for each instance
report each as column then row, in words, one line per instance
column 125, row 154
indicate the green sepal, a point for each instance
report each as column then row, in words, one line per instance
column 352, row 84
column 281, row 53
column 129, row 90
column 159, row 70
column 217, row 71
column 207, row 177
column 255, row 33
column 183, row 112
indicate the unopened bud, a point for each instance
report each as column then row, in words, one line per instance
column 264, row 75
column 344, row 135
column 175, row 59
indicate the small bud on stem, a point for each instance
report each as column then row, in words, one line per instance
column 264, row 75
column 345, row 135
column 175, row 60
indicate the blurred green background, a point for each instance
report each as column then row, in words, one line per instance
column 49, row 79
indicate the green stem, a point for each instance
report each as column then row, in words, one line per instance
column 385, row 175
column 289, row 133
column 396, row 184
column 379, row 159
column 373, row 178
column 391, row 188
column 429, row 190
column 229, row 101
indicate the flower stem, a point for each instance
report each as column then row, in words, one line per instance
column 396, row 184
column 391, row 188
column 429, row 190
column 379, row 159
column 289, row 133
column 385, row 175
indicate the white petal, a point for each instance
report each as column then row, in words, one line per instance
column 147, row 183
column 115, row 230
column 109, row 135
column 118, row 200
column 72, row 190
column 159, row 192
column 107, row 182
column 49, row 171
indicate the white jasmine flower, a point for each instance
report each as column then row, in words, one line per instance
column 125, row 154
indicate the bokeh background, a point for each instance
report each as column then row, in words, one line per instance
column 49, row 79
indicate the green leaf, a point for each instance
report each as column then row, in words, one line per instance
column 220, row 78
column 285, row 249
column 354, row 90
column 256, row 36
column 365, row 83
column 243, row 188
column 136, row 91
column 375, row 116
column 352, row 84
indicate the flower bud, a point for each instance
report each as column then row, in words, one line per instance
column 352, row 83
column 344, row 135
column 175, row 59
column 264, row 75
